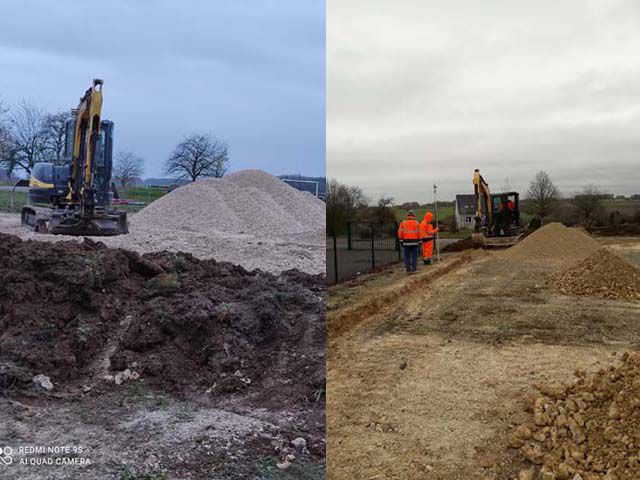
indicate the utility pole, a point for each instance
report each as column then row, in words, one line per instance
column 435, row 207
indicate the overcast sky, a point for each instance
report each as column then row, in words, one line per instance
column 251, row 72
column 421, row 91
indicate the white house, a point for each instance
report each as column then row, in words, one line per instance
column 465, row 210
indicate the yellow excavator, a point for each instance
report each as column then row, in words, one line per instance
column 497, row 220
column 74, row 199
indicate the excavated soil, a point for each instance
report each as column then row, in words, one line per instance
column 90, row 317
column 588, row 430
column 602, row 275
column 459, row 246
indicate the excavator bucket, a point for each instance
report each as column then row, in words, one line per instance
column 65, row 222
column 481, row 241
column 99, row 225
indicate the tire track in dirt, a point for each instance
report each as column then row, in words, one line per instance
column 370, row 306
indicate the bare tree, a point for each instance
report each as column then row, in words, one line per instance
column 343, row 203
column 198, row 156
column 588, row 201
column 5, row 140
column 506, row 185
column 383, row 212
column 28, row 136
column 127, row 167
column 55, row 125
column 542, row 194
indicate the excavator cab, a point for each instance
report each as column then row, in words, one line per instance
column 506, row 217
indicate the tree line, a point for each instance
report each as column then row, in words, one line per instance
column 542, row 199
column 29, row 135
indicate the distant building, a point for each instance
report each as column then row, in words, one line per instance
column 314, row 185
column 465, row 210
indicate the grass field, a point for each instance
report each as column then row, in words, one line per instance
column 138, row 194
column 20, row 199
column 443, row 212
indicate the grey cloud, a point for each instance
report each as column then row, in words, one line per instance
column 427, row 91
column 251, row 72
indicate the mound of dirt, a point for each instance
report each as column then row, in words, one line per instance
column 553, row 242
column 589, row 430
column 82, row 312
column 459, row 246
column 249, row 202
column 604, row 275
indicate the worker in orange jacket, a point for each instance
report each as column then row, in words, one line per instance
column 409, row 236
column 427, row 237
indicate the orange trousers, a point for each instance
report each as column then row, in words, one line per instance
column 427, row 248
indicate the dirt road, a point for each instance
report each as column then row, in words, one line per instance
column 428, row 374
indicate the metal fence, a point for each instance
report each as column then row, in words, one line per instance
column 363, row 247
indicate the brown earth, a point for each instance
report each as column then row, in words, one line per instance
column 459, row 246
column 604, row 275
column 428, row 375
column 184, row 329
column 590, row 428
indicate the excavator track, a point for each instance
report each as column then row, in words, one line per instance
column 70, row 222
column 36, row 218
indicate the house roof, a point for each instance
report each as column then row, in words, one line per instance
column 466, row 204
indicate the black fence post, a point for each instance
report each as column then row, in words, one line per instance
column 335, row 257
column 373, row 248
column 395, row 236
column 348, row 235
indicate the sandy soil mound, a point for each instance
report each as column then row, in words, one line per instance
column 79, row 311
column 553, row 242
column 604, row 275
column 589, row 430
column 248, row 202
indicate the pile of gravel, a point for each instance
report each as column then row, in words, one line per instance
column 604, row 275
column 554, row 243
column 249, row 202
column 588, row 430
column 248, row 218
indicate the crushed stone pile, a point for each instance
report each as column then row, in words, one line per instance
column 249, row 202
column 603, row 274
column 249, row 218
column 589, row 430
column 553, row 242
column 81, row 313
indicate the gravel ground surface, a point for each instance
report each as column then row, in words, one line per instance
column 249, row 218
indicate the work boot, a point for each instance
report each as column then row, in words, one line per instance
column 426, row 262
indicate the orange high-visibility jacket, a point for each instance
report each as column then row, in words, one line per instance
column 426, row 235
column 408, row 232
column 426, row 229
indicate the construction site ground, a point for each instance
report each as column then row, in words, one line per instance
column 429, row 374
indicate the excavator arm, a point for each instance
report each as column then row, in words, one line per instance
column 481, row 190
column 86, row 138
